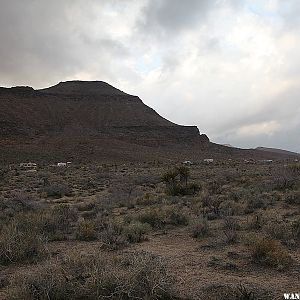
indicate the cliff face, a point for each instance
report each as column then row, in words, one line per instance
column 86, row 111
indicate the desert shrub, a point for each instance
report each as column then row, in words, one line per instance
column 200, row 229
column 292, row 197
column 176, row 181
column 57, row 222
column 231, row 236
column 137, row 275
column 57, row 190
column 231, row 223
column 135, row 231
column 270, row 252
column 231, row 208
column 174, row 216
column 279, row 230
column 257, row 201
column 3, row 173
column 112, row 236
column 86, row 206
column 147, row 199
column 296, row 229
column 242, row 293
column 231, row 226
column 294, row 169
column 160, row 217
column 86, row 230
column 20, row 242
column 283, row 178
column 151, row 216
column 256, row 221
column 215, row 186
column 48, row 282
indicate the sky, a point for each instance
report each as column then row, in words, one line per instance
column 230, row 67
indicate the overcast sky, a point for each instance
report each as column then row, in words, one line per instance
column 231, row 67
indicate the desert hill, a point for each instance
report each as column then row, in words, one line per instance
column 92, row 120
column 278, row 151
column 79, row 118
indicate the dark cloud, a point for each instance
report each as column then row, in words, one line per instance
column 172, row 16
column 47, row 41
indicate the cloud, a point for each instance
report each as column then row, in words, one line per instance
column 231, row 67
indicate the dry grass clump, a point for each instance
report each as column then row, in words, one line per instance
column 137, row 275
column 270, row 252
